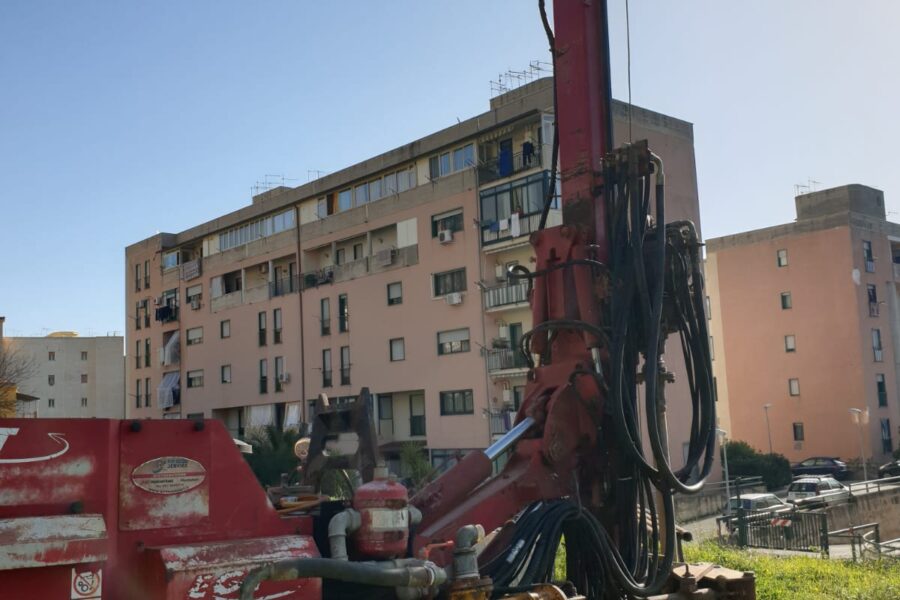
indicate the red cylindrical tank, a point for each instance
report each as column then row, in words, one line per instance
column 383, row 505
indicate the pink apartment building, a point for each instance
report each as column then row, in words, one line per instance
column 804, row 321
column 389, row 274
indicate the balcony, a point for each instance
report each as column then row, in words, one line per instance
column 190, row 270
column 507, row 165
column 283, row 286
column 385, row 260
column 516, row 225
column 503, row 297
column 167, row 313
column 224, row 301
column 505, row 361
column 502, row 421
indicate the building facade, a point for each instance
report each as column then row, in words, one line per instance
column 390, row 274
column 805, row 323
column 71, row 376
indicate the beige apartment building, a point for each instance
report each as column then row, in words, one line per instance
column 71, row 376
column 805, row 322
column 389, row 274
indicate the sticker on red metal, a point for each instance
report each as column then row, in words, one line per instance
column 168, row 475
column 87, row 584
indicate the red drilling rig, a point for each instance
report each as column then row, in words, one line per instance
column 169, row 509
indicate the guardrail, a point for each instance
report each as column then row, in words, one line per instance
column 873, row 484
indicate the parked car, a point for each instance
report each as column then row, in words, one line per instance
column 821, row 465
column 826, row 489
column 892, row 469
column 755, row 502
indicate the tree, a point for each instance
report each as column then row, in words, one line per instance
column 745, row 461
column 273, row 453
column 414, row 465
column 15, row 367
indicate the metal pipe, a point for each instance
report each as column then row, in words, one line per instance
column 423, row 575
column 339, row 527
column 510, row 438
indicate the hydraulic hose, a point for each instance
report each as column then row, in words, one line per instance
column 421, row 575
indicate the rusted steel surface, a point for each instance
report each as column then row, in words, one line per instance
column 97, row 508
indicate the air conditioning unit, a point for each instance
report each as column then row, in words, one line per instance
column 284, row 378
column 445, row 236
column 501, row 273
column 503, row 332
column 507, row 397
column 195, row 302
column 156, row 301
column 454, row 298
column 264, row 268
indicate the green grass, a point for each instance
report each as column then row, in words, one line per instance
column 805, row 577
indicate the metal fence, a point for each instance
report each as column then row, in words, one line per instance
column 800, row 531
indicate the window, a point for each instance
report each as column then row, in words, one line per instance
column 195, row 378
column 84, row 378
column 225, row 374
column 147, row 392
column 51, row 403
column 887, row 445
column 137, row 393
column 145, row 306
column 786, row 302
column 326, row 368
column 449, row 221
column 194, row 336
column 782, row 258
column 340, row 256
column 322, row 207
column 453, row 341
column 798, row 432
column 361, row 194
column 263, row 376
column 225, row 329
column 325, row 311
column 345, row 200
column 868, row 257
column 343, row 314
column 449, row 282
column 51, row 356
column 397, row 349
column 877, row 349
column 170, row 260
column 385, row 415
column 146, row 273
column 194, row 293
column 137, row 277
column 137, row 354
column 708, row 310
column 394, row 293
column 137, row 314
column 357, row 251
column 375, row 190
column 790, row 343
column 881, row 388
column 794, row 387
column 261, row 322
column 712, row 349
column 51, row 379
column 452, row 161
column 255, row 230
column 84, row 355
column 872, row 293
column 345, row 365
column 279, row 373
column 147, row 352
column 457, row 402
column 276, row 323
column 84, row 403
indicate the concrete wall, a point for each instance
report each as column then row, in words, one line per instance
column 875, row 507
column 707, row 503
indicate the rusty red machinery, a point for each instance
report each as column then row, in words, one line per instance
column 168, row 509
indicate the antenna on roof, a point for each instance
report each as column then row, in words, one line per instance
column 312, row 174
column 513, row 79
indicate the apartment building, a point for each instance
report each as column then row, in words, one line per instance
column 390, row 274
column 70, row 376
column 805, row 322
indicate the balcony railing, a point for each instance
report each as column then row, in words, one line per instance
column 508, row 164
column 263, row 385
column 517, row 226
column 502, row 421
column 504, row 358
column 503, row 295
column 345, row 375
column 167, row 313
column 285, row 285
column 326, row 378
column 417, row 425
column 384, row 260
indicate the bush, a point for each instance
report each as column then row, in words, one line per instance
column 745, row 461
column 273, row 453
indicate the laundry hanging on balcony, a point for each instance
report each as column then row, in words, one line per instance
column 168, row 393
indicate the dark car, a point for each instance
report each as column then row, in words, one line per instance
column 821, row 465
column 892, row 469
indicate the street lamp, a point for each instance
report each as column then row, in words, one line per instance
column 723, row 434
column 858, row 416
column 766, row 407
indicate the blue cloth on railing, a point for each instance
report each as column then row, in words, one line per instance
column 505, row 163
column 494, row 226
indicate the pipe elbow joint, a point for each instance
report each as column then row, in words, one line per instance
column 339, row 527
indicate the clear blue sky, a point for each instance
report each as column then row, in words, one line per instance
column 120, row 119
